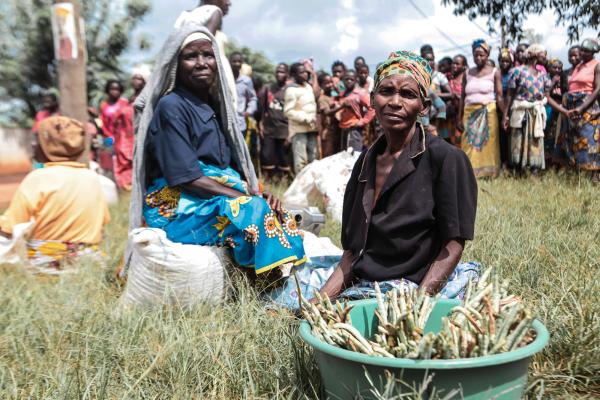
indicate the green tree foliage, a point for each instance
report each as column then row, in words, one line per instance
column 27, row 66
column 262, row 67
column 575, row 14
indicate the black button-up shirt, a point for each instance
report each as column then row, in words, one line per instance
column 429, row 197
column 184, row 130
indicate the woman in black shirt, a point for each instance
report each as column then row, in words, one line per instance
column 411, row 200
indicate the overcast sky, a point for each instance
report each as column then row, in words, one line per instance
column 288, row 30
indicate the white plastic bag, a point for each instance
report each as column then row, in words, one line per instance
column 315, row 246
column 163, row 272
column 109, row 188
column 13, row 251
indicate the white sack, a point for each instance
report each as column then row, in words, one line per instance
column 109, row 188
column 315, row 246
column 326, row 178
column 163, row 272
column 13, row 251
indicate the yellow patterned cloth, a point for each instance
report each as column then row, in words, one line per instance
column 54, row 257
column 480, row 140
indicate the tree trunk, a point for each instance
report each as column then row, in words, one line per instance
column 72, row 74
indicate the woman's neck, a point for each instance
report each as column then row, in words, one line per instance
column 398, row 140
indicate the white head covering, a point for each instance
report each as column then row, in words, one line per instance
column 142, row 70
column 192, row 38
column 535, row 48
column 161, row 82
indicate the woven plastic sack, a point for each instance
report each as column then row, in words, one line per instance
column 326, row 178
column 166, row 273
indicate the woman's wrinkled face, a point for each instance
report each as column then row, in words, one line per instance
column 397, row 102
column 480, row 56
column 197, row 66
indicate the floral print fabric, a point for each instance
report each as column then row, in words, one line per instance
column 247, row 225
column 527, row 86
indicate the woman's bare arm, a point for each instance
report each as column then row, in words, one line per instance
column 443, row 266
column 461, row 104
column 206, row 188
column 215, row 21
column 341, row 277
column 499, row 92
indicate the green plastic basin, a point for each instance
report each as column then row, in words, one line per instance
column 500, row 376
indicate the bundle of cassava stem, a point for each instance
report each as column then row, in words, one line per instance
column 489, row 321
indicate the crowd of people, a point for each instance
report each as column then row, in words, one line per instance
column 523, row 113
column 424, row 131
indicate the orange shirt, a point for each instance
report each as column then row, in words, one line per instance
column 582, row 78
column 359, row 103
column 66, row 201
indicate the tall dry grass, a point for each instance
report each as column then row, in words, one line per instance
column 61, row 339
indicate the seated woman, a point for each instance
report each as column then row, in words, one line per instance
column 64, row 200
column 194, row 192
column 410, row 202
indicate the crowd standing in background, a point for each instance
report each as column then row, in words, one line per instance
column 524, row 114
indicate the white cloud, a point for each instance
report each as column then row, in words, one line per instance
column 347, row 28
column 341, row 29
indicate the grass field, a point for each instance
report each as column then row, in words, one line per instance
column 62, row 340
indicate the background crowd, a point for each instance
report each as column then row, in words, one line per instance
column 522, row 111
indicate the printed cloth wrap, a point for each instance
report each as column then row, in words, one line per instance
column 405, row 62
column 581, row 139
column 245, row 224
column 477, row 128
column 312, row 276
column 52, row 256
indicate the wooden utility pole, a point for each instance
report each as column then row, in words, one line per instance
column 71, row 54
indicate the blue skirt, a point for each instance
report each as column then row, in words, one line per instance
column 247, row 224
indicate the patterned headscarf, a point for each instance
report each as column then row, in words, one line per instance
column 505, row 52
column 555, row 61
column 481, row 43
column 405, row 62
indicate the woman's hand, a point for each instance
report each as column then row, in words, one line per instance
column 505, row 123
column 574, row 114
column 273, row 202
